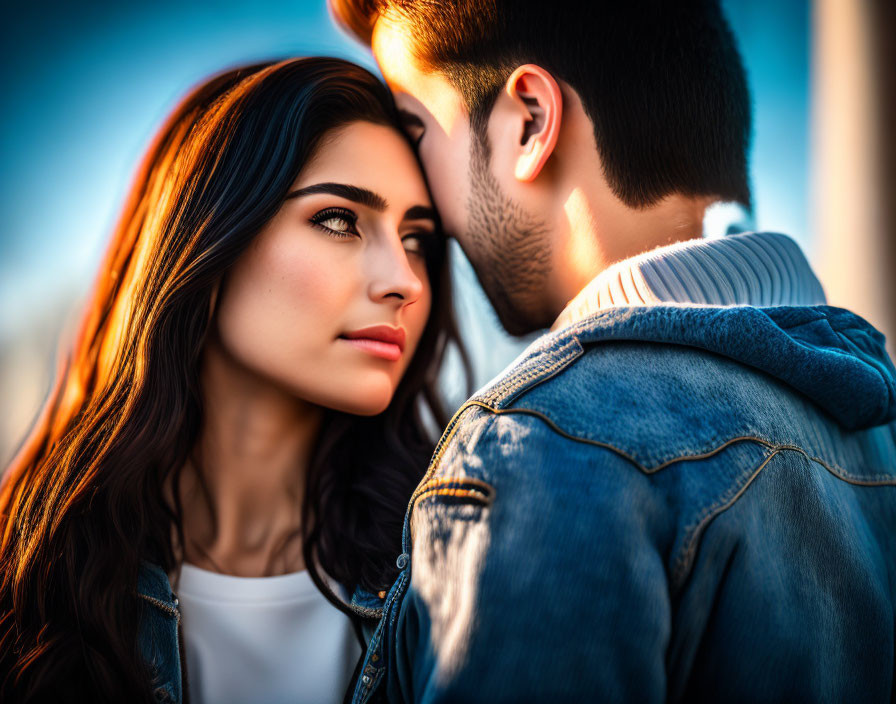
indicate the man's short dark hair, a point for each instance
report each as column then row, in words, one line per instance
column 661, row 80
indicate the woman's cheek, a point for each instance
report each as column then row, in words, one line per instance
column 281, row 305
column 311, row 283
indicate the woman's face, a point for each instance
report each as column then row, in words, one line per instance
column 344, row 254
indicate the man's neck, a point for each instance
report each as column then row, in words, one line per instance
column 601, row 231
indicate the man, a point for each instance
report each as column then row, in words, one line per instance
column 686, row 489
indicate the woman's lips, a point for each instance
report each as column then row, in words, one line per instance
column 377, row 348
column 379, row 340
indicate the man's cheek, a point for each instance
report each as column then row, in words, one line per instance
column 454, row 221
column 449, row 193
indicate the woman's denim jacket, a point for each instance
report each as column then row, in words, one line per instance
column 656, row 503
column 161, row 637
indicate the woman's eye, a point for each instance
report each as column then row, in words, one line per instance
column 338, row 222
column 415, row 244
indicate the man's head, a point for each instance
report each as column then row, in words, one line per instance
column 559, row 137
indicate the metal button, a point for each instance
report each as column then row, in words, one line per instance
column 366, row 679
column 402, row 561
column 382, row 594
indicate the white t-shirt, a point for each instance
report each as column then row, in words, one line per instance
column 263, row 639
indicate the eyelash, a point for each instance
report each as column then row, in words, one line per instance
column 336, row 214
column 351, row 219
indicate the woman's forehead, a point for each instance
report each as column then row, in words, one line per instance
column 374, row 157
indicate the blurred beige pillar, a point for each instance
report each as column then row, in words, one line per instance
column 852, row 203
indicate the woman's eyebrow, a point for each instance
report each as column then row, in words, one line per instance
column 365, row 197
column 372, row 200
column 420, row 212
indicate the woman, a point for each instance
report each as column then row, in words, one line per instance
column 243, row 416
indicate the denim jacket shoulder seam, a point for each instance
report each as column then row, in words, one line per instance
column 832, row 467
column 608, row 446
column 693, row 532
column 683, row 563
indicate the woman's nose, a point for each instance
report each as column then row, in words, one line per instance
column 393, row 276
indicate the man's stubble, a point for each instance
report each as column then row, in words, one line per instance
column 508, row 247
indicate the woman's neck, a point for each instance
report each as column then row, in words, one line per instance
column 253, row 454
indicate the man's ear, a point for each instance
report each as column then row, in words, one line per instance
column 540, row 101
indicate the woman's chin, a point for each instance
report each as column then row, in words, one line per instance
column 372, row 408
column 367, row 410
column 363, row 399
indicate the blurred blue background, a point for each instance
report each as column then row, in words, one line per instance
column 85, row 85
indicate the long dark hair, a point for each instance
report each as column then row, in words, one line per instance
column 83, row 503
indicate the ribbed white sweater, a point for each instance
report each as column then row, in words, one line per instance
column 753, row 269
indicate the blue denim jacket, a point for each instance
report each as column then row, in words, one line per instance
column 161, row 638
column 658, row 503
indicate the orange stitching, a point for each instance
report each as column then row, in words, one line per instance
column 462, row 493
column 442, row 481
